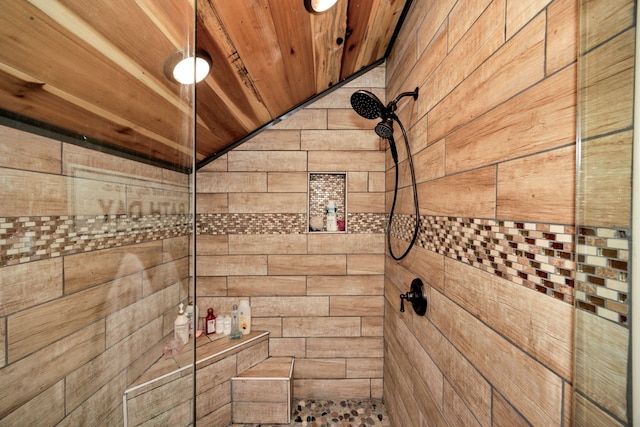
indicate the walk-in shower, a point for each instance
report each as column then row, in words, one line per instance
column 369, row 106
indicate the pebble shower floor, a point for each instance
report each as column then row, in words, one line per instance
column 328, row 413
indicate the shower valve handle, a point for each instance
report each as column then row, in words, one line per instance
column 416, row 296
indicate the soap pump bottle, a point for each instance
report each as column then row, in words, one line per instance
column 244, row 316
column 332, row 221
column 235, row 324
column 181, row 326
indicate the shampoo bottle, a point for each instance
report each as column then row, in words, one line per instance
column 332, row 221
column 235, row 324
column 181, row 326
column 192, row 315
column 244, row 313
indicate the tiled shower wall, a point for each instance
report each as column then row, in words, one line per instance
column 320, row 295
column 94, row 259
column 493, row 141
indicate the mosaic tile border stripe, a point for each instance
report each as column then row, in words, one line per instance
column 535, row 255
column 538, row 256
column 25, row 239
column 602, row 272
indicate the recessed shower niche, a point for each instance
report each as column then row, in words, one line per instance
column 323, row 189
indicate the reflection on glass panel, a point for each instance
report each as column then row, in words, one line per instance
column 96, row 212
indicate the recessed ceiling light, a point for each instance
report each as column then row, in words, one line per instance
column 318, row 6
column 186, row 69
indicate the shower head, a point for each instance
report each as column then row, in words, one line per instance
column 367, row 104
column 384, row 129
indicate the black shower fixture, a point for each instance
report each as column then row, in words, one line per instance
column 369, row 106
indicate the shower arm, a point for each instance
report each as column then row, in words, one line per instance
column 393, row 105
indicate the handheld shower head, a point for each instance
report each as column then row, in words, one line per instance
column 367, row 104
column 384, row 129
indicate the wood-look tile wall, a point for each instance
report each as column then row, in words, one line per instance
column 493, row 138
column 320, row 295
column 94, row 260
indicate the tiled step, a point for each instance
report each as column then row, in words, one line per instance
column 263, row 394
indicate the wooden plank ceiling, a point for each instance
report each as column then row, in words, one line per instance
column 94, row 69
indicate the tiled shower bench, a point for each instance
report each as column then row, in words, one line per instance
column 164, row 392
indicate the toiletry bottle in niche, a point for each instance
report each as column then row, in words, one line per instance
column 244, row 316
column 227, row 325
column 332, row 221
column 235, row 324
column 192, row 315
column 210, row 322
column 181, row 326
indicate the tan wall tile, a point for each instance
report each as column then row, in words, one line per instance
column 321, row 326
column 217, row 244
column 366, row 202
column 53, row 362
column 297, row 265
column 232, row 265
column 27, row 151
column 273, row 325
column 462, row 18
column 45, row 409
column 216, row 374
column 267, row 244
column 344, row 347
column 372, row 326
column 356, row 305
column 80, row 310
column 175, row 248
column 468, row 194
column 455, row 410
column 212, row 203
column 345, row 285
column 587, row 413
column 507, row 132
column 251, row 356
column 292, row 347
column 357, row 181
column 346, row 243
column 542, row 327
column 332, row 389
column 364, row 367
column 212, row 400
column 346, row 119
column 504, row 415
column 365, row 264
column 100, row 404
column 268, row 203
column 289, row 306
column 339, row 140
column 49, row 193
column 267, row 285
column 267, row 161
column 346, row 161
column 164, row 275
column 149, row 311
column 219, row 417
column 26, row 285
column 539, row 187
column 516, row 66
column 605, row 20
column 3, row 341
column 109, row 264
column 602, row 350
column 562, row 34
column 231, row 182
column 211, row 286
column 272, row 139
column 509, row 369
column 519, row 13
column 320, row 368
column 307, row 118
column 287, row 182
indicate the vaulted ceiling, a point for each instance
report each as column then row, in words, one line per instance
column 94, row 70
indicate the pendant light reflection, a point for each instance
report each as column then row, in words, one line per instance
column 318, row 6
column 185, row 69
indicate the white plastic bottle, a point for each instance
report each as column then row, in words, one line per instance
column 192, row 314
column 181, row 326
column 244, row 313
column 332, row 220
